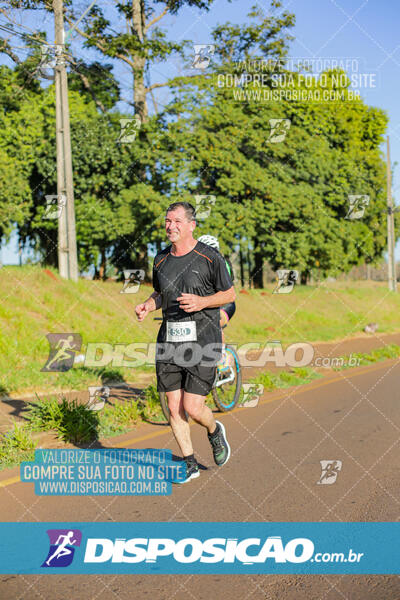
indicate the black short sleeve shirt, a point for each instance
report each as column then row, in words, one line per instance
column 202, row 272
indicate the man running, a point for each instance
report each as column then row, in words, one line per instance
column 191, row 282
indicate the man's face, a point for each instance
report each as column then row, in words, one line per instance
column 177, row 227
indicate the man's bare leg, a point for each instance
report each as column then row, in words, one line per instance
column 194, row 404
column 196, row 408
column 179, row 425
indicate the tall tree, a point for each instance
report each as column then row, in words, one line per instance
column 108, row 213
column 134, row 39
column 288, row 195
column 21, row 127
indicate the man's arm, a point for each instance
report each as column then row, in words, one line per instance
column 152, row 303
column 193, row 303
column 220, row 298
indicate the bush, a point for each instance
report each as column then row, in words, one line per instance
column 150, row 404
column 43, row 416
column 79, row 424
column 15, row 446
column 72, row 421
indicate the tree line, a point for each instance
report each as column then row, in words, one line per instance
column 271, row 178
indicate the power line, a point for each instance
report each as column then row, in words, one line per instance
column 23, row 35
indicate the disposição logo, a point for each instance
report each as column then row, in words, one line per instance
column 62, row 547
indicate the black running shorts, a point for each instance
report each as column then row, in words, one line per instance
column 195, row 380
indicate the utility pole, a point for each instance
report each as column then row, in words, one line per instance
column 61, row 189
column 67, row 254
column 390, row 225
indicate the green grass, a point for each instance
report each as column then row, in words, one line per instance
column 379, row 354
column 122, row 416
column 16, row 446
column 152, row 410
column 32, row 305
column 74, row 422
column 44, row 416
column 331, row 311
column 284, row 379
column 119, row 418
column 304, row 375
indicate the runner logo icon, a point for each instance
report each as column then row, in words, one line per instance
column 330, row 470
column 63, row 347
column 62, row 547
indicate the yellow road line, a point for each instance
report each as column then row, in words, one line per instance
column 148, row 436
column 9, row 481
column 299, row 390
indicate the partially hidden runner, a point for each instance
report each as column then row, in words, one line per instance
column 226, row 311
column 191, row 282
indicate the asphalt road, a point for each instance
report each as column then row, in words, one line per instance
column 352, row 416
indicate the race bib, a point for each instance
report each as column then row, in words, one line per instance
column 184, row 331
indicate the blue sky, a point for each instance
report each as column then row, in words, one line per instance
column 366, row 30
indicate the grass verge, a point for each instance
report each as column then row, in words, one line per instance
column 388, row 351
column 101, row 314
column 74, row 422
column 284, row 379
column 16, row 446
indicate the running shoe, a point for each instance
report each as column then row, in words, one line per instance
column 192, row 472
column 220, row 446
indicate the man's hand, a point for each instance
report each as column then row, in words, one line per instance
column 142, row 310
column 152, row 303
column 191, row 302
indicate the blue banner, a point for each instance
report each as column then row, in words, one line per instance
column 108, row 472
column 209, row 548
